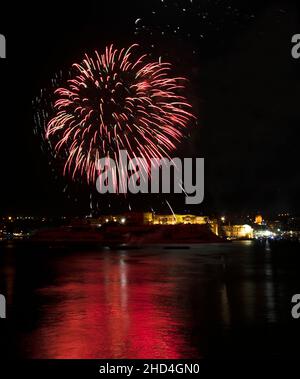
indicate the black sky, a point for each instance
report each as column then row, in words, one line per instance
column 244, row 86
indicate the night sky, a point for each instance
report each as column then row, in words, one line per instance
column 244, row 86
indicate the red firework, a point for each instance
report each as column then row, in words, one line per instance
column 114, row 102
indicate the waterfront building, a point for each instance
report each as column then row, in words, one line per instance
column 238, row 231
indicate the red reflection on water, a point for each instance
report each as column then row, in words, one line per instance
column 107, row 309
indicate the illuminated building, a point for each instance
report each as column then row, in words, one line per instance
column 149, row 218
column 238, row 231
column 172, row 219
column 258, row 219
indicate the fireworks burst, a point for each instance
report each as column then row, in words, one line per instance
column 114, row 102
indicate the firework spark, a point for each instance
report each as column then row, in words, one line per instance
column 115, row 102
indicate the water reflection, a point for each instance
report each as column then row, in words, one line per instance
column 107, row 307
column 144, row 304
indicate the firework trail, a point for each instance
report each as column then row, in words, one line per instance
column 114, row 102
